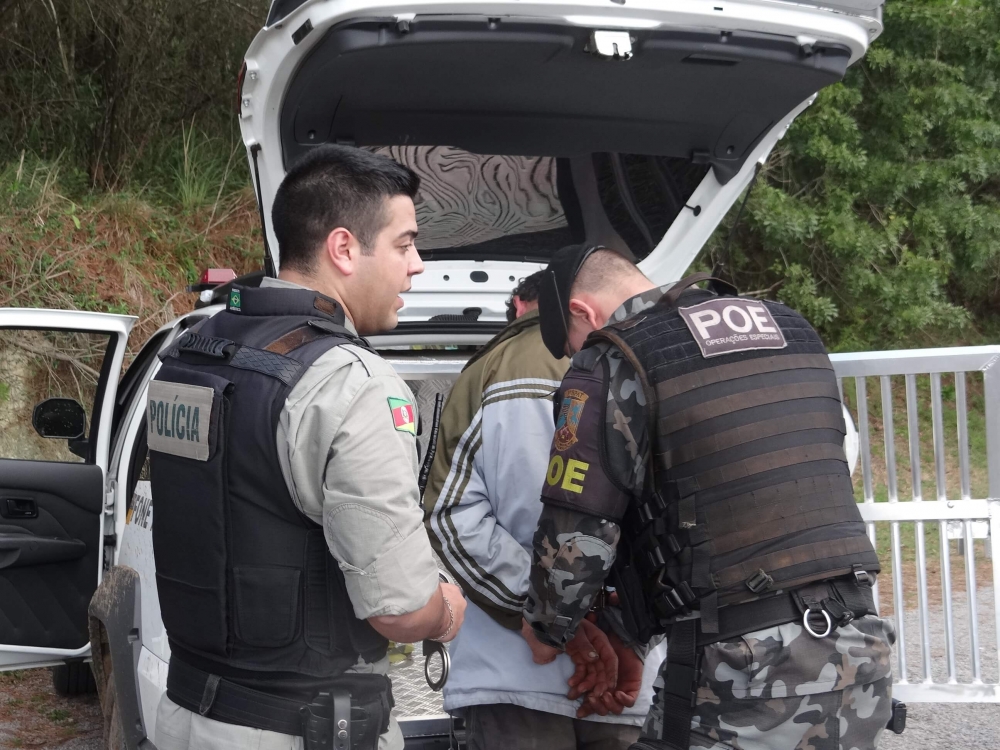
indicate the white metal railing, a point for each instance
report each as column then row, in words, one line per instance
column 946, row 672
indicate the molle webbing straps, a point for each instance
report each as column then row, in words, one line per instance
column 701, row 378
column 735, row 512
column 749, row 433
column 748, row 467
column 806, row 553
column 672, row 423
column 774, row 528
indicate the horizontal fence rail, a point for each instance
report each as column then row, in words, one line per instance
column 928, row 438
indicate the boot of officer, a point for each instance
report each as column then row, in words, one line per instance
column 705, row 434
column 289, row 542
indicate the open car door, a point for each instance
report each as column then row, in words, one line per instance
column 58, row 378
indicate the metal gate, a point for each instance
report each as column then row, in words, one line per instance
column 947, row 647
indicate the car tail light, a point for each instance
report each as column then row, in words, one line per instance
column 216, row 276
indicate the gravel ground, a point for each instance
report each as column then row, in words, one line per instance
column 951, row 726
column 33, row 716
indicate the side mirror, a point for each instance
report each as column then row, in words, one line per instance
column 59, row 418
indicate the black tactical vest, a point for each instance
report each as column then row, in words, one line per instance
column 247, row 586
column 750, row 490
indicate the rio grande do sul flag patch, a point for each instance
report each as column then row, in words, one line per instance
column 404, row 417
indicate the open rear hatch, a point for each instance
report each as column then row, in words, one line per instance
column 533, row 132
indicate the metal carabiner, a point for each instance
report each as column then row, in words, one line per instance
column 808, row 627
column 430, row 648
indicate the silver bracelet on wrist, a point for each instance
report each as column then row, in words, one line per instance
column 451, row 620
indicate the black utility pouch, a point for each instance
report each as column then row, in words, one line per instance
column 897, row 720
column 365, row 699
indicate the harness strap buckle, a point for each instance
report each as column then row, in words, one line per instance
column 671, row 601
column 759, row 581
column 861, row 575
column 841, row 614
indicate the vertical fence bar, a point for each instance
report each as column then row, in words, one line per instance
column 970, row 590
column 897, row 553
column 991, row 391
column 963, row 435
column 865, row 446
column 913, row 432
column 964, row 471
column 937, row 421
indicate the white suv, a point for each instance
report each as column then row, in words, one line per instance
column 532, row 123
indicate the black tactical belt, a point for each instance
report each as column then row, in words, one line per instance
column 351, row 713
column 853, row 599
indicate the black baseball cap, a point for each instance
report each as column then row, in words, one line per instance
column 553, row 295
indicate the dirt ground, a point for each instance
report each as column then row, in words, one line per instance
column 33, row 716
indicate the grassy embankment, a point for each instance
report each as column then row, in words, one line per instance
column 131, row 251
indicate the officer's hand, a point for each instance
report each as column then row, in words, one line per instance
column 626, row 691
column 456, row 599
column 540, row 652
column 595, row 660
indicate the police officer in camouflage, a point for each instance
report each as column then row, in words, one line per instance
column 698, row 469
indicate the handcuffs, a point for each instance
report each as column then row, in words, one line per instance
column 430, row 648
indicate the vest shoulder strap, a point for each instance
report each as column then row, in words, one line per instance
column 672, row 295
column 613, row 337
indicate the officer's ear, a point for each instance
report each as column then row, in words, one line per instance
column 342, row 249
column 585, row 314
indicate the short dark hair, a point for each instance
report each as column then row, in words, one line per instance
column 526, row 290
column 330, row 187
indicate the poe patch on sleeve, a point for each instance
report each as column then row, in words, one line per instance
column 730, row 324
column 179, row 418
column 404, row 418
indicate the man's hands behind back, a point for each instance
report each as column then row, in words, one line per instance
column 608, row 673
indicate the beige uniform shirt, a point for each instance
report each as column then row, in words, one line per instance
column 348, row 467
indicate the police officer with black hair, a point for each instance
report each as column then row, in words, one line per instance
column 288, row 540
column 698, row 469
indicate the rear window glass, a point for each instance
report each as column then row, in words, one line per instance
column 525, row 207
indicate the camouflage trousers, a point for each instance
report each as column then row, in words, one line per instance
column 782, row 689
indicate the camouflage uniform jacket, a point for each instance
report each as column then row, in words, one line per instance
column 773, row 688
column 600, row 445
